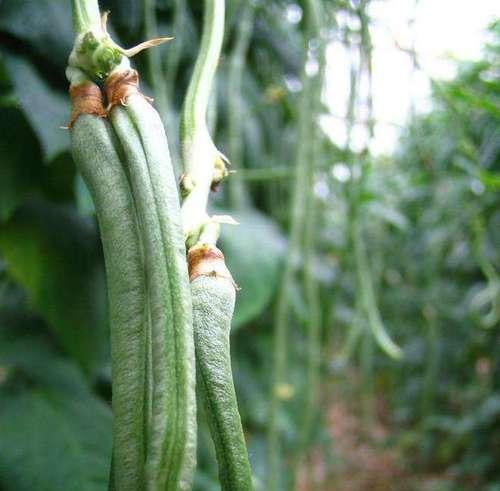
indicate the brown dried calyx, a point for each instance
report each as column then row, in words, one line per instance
column 86, row 98
column 121, row 85
column 207, row 260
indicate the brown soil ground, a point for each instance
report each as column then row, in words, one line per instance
column 361, row 459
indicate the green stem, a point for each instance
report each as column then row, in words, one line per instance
column 203, row 163
column 280, row 338
column 175, row 49
column 298, row 218
column 312, row 294
column 266, row 174
column 237, row 196
column 157, row 76
column 155, row 67
column 86, row 16
column 198, row 94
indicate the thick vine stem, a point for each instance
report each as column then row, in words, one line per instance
column 172, row 445
column 94, row 152
column 94, row 52
column 204, row 165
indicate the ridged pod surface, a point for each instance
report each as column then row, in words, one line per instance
column 94, row 152
column 213, row 293
column 171, row 419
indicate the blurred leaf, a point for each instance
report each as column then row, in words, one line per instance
column 125, row 16
column 490, row 179
column 45, row 26
column 54, row 439
column 254, row 251
column 53, row 254
column 84, row 203
column 46, row 109
column 388, row 214
column 55, row 434
column 20, row 170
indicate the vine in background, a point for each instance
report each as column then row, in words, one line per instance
column 301, row 196
column 362, row 264
column 175, row 52
column 235, row 109
column 163, row 75
column 156, row 74
column 316, row 14
column 486, row 302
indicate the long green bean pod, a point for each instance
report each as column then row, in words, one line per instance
column 172, row 433
column 95, row 155
column 212, row 288
column 168, row 399
column 214, row 294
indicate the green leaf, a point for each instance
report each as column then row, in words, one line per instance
column 45, row 108
column 44, row 26
column 388, row 214
column 53, row 254
column 55, row 434
column 54, row 439
column 254, row 251
column 20, row 170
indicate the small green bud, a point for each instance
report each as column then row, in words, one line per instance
column 89, row 43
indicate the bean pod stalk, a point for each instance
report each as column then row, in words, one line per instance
column 212, row 287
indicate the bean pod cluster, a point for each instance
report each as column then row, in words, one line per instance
column 124, row 160
column 162, row 316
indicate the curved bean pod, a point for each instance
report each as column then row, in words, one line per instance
column 95, row 155
column 213, row 292
column 172, row 446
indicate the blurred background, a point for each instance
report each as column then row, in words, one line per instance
column 365, row 136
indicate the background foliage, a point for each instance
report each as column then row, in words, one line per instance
column 405, row 246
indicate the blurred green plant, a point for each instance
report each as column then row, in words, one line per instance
column 429, row 218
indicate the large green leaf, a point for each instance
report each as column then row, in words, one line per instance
column 44, row 27
column 45, row 108
column 55, row 434
column 52, row 441
column 52, row 252
column 20, row 170
column 253, row 251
